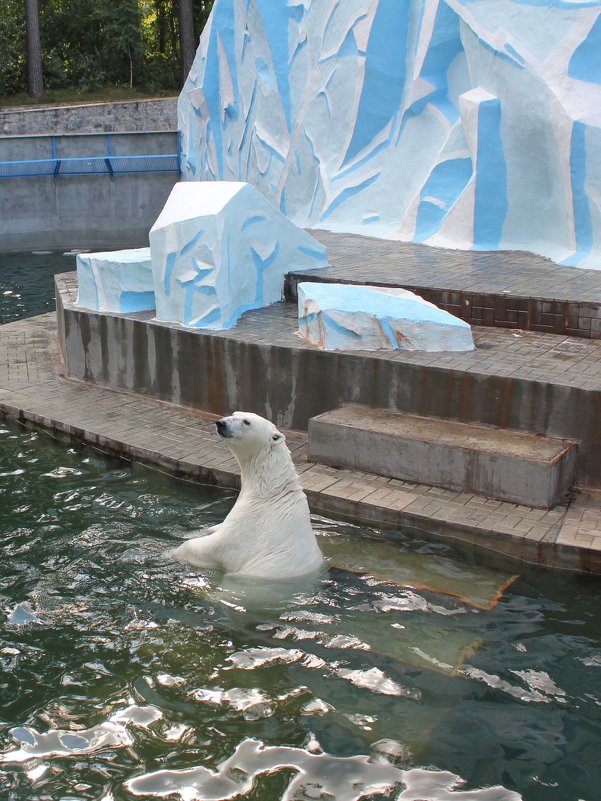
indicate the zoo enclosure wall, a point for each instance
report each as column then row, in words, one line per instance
column 84, row 190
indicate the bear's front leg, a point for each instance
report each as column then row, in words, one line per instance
column 204, row 550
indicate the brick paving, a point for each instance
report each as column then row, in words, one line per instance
column 507, row 289
column 183, row 442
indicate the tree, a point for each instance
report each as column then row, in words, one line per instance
column 35, row 81
column 186, row 36
column 121, row 35
column 12, row 47
column 90, row 44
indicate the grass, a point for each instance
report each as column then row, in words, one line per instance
column 107, row 94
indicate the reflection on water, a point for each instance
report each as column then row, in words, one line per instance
column 315, row 775
column 403, row 672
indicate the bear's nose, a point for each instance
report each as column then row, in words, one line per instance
column 221, row 426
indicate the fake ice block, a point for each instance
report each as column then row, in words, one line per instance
column 219, row 249
column 352, row 317
column 118, row 281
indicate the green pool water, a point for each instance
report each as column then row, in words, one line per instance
column 125, row 675
column 27, row 283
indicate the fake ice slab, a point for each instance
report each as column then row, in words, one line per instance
column 461, row 124
column 352, row 317
column 220, row 249
column 118, row 281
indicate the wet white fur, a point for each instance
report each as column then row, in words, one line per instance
column 268, row 532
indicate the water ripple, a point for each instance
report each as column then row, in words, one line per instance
column 118, row 663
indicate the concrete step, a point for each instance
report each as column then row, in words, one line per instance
column 528, row 469
column 505, row 289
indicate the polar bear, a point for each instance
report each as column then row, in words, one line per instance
column 268, row 532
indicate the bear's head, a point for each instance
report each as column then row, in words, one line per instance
column 249, row 434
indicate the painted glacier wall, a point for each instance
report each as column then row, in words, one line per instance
column 459, row 123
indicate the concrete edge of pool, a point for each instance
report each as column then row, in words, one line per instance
column 182, row 442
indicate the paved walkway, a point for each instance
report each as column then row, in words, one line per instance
column 370, row 260
column 183, row 442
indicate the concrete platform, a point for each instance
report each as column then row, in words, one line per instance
column 505, row 289
column 524, row 381
column 508, row 465
column 183, row 442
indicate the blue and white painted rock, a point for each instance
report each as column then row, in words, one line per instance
column 220, row 249
column 461, row 124
column 118, row 281
column 353, row 317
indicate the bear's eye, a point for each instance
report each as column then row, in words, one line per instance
column 246, row 422
column 275, row 437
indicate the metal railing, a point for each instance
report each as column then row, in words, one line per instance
column 108, row 164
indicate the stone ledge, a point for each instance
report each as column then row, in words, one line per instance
column 538, row 383
column 508, row 465
column 510, row 289
column 181, row 442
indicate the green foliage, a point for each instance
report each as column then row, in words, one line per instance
column 12, row 47
column 120, row 26
column 87, row 44
column 160, row 73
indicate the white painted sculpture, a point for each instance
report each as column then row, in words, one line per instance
column 462, row 124
column 220, row 249
column 119, row 281
column 357, row 317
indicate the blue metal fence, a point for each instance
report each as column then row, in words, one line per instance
column 108, row 164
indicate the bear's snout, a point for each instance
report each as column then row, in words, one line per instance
column 222, row 428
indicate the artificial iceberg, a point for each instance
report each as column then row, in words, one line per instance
column 220, row 249
column 116, row 281
column 459, row 123
column 355, row 317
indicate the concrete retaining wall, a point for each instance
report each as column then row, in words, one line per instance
column 219, row 373
column 131, row 115
column 88, row 211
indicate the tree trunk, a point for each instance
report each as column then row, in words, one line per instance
column 161, row 25
column 35, row 81
column 186, row 36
